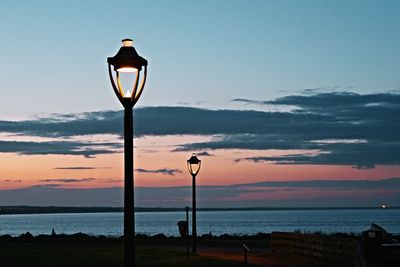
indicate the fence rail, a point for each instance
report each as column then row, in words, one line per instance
column 332, row 251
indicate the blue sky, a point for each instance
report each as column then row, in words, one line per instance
column 201, row 53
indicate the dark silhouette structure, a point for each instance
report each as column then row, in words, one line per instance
column 246, row 251
column 127, row 60
column 187, row 233
column 194, row 165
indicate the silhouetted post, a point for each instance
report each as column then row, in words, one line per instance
column 194, row 165
column 246, row 250
column 187, row 234
column 128, row 61
column 194, row 227
column 129, row 215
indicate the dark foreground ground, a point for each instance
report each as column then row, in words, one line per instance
column 99, row 252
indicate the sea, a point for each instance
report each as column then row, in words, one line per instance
column 246, row 222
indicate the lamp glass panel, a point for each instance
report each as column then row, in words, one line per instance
column 127, row 82
column 194, row 168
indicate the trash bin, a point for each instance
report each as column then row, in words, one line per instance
column 182, row 226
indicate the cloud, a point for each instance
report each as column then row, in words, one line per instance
column 149, row 121
column 340, row 116
column 47, row 185
column 316, row 117
column 75, row 168
column 250, row 141
column 72, row 180
column 248, row 101
column 67, row 125
column 348, row 184
column 164, row 171
column 358, row 155
column 339, row 100
column 85, row 149
column 204, row 154
column 331, row 101
column 11, row 181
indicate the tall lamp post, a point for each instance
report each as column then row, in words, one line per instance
column 128, row 61
column 194, row 165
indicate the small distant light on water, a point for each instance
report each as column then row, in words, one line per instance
column 383, row 206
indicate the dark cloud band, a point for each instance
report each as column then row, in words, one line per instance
column 69, row 180
column 164, row 171
column 343, row 116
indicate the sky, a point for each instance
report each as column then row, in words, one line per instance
column 287, row 103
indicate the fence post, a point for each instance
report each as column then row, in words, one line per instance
column 246, row 250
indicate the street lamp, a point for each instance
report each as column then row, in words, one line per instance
column 128, row 61
column 194, row 165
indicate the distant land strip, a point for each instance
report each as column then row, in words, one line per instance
column 54, row 209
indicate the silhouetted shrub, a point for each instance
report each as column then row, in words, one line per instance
column 26, row 235
column 159, row 236
column 44, row 236
column 207, row 236
column 142, row 236
column 79, row 235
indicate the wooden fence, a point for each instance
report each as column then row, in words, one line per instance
column 331, row 251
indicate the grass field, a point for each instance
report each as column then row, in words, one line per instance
column 95, row 252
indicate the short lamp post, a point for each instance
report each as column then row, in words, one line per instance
column 194, row 165
column 128, row 61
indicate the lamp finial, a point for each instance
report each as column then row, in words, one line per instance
column 127, row 42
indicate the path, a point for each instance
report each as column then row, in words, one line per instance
column 261, row 257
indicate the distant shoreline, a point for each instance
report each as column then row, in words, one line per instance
column 4, row 210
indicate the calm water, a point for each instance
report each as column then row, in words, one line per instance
column 216, row 222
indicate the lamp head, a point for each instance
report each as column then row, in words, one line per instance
column 127, row 62
column 194, row 164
